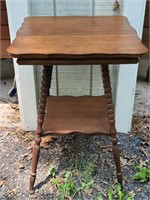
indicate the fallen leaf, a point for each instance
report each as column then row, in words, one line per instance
column 132, row 193
column 31, row 145
column 138, row 190
column 2, row 182
column 107, row 148
column 19, row 165
column 145, row 143
column 143, row 163
column 100, row 189
column 27, row 155
column 124, row 161
column 45, row 143
column 88, row 191
column 14, row 191
column 46, row 140
column 30, row 156
column 144, row 151
column 140, row 124
column 16, row 140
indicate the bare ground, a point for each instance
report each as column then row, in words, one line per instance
column 77, row 153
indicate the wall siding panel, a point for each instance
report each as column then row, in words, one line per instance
column 75, row 80
column 73, row 7
column 103, row 7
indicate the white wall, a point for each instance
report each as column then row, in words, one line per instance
column 134, row 10
column 25, row 76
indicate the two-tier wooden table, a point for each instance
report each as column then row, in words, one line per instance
column 52, row 41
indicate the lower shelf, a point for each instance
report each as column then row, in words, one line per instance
column 67, row 114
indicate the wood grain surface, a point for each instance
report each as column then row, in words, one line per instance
column 49, row 37
column 4, row 31
column 85, row 114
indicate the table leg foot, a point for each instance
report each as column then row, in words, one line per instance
column 31, row 191
column 116, row 155
column 32, row 181
column 36, row 152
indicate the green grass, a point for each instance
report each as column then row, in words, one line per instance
column 79, row 179
column 68, row 186
column 142, row 174
column 118, row 194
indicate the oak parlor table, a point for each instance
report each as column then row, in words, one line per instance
column 80, row 40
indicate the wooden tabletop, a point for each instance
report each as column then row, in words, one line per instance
column 76, row 37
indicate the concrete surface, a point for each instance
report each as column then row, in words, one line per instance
column 143, row 66
column 142, row 98
column 6, row 68
column 6, row 112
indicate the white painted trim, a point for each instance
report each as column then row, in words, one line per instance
column 25, row 75
column 134, row 10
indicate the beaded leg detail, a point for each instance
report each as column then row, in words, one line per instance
column 111, row 120
column 46, row 81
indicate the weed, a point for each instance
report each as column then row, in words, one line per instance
column 142, row 174
column 110, row 194
column 99, row 196
column 52, row 171
column 67, row 187
column 85, row 168
column 118, row 194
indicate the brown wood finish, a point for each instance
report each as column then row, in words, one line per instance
column 146, row 34
column 146, row 37
column 84, row 114
column 84, row 61
column 4, row 31
column 76, row 40
column 46, row 81
column 77, row 36
column 4, row 19
column 146, row 21
column 4, row 44
column 2, row 5
column 146, row 28
column 111, row 121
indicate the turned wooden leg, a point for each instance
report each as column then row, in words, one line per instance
column 111, row 120
column 46, row 81
column 116, row 154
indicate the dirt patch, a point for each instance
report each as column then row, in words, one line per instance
column 77, row 153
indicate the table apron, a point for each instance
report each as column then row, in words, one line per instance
column 45, row 61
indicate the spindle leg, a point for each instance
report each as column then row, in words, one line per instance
column 111, row 120
column 45, row 85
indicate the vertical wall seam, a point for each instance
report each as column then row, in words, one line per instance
column 91, row 67
column 93, row 7
column 34, row 66
column 57, row 80
column 29, row 7
column 54, row 7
